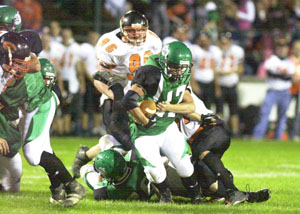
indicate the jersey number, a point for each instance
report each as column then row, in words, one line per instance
column 135, row 62
column 176, row 96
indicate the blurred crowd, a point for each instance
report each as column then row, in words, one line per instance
column 235, row 37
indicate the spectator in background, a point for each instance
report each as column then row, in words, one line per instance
column 55, row 31
column 161, row 22
column 280, row 70
column 179, row 33
column 227, row 78
column 91, row 97
column 245, row 18
column 178, row 13
column 213, row 18
column 74, row 83
column 31, row 13
column 205, row 57
column 295, row 58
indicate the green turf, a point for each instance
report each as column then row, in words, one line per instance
column 266, row 164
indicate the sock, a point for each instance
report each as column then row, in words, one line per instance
column 55, row 169
column 216, row 165
column 162, row 187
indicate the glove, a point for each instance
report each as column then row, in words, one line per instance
column 152, row 122
column 208, row 119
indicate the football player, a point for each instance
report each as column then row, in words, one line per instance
column 10, row 19
column 228, row 71
column 209, row 138
column 120, row 53
column 206, row 57
column 164, row 79
column 113, row 176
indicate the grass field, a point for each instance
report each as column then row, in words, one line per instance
column 266, row 164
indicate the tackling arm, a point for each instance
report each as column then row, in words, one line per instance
column 187, row 105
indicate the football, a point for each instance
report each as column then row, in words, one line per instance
column 148, row 107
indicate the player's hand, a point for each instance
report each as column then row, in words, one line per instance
column 208, row 119
column 163, row 106
column 4, row 148
column 152, row 121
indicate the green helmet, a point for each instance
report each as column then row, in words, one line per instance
column 176, row 61
column 110, row 164
column 11, row 18
column 48, row 72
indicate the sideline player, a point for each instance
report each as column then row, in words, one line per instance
column 164, row 79
column 120, row 53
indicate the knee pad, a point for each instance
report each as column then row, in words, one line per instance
column 32, row 154
column 156, row 174
column 184, row 167
column 11, row 180
column 107, row 141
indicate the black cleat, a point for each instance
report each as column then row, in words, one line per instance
column 58, row 194
column 235, row 197
column 166, row 197
column 259, row 196
column 75, row 192
column 80, row 160
column 197, row 199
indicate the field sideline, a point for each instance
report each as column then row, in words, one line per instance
column 265, row 164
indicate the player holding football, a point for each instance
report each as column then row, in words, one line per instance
column 120, row 53
column 164, row 79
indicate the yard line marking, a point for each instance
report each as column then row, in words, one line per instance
column 266, row 175
column 291, row 166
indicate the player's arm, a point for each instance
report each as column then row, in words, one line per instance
column 103, row 88
column 130, row 100
column 146, row 81
column 187, row 105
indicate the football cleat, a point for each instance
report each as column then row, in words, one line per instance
column 166, row 197
column 259, row 196
column 235, row 197
column 197, row 199
column 58, row 194
column 80, row 160
column 75, row 192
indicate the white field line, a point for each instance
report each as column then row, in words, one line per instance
column 266, row 175
column 289, row 166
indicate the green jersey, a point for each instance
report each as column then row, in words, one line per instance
column 28, row 93
column 157, row 87
column 134, row 184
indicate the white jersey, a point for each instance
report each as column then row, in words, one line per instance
column 89, row 56
column 188, row 129
column 123, row 58
column 231, row 58
column 54, row 55
column 70, row 57
column 205, row 62
column 279, row 66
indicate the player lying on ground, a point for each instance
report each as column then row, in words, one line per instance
column 113, row 176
